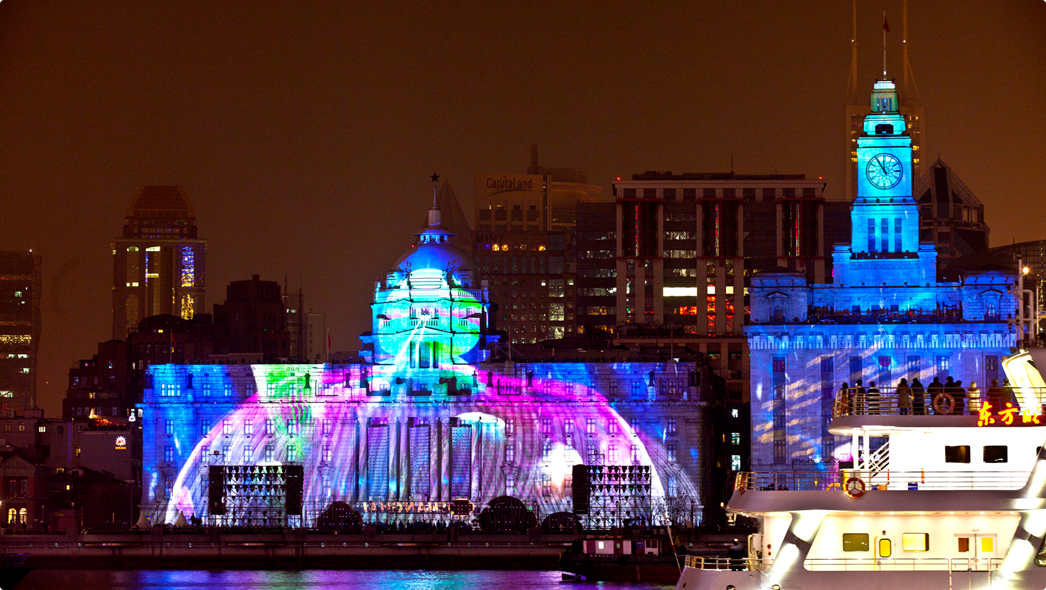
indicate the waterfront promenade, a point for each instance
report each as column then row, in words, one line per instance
column 291, row 549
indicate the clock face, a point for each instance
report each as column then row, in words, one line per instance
column 884, row 171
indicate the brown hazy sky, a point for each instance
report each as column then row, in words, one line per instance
column 304, row 133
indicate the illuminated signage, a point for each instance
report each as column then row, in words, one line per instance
column 121, row 443
column 1007, row 416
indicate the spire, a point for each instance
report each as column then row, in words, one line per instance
column 852, row 86
column 434, row 218
column 886, row 29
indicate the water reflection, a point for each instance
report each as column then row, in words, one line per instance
column 278, row 580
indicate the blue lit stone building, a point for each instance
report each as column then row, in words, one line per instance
column 425, row 419
column 885, row 316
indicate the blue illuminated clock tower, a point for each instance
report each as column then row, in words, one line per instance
column 885, row 217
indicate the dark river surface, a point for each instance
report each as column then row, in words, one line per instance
column 313, row 579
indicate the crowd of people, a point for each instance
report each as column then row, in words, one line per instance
column 950, row 397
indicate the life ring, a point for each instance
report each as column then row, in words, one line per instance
column 855, row 487
column 741, row 482
column 943, row 403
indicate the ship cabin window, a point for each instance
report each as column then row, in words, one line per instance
column 995, row 454
column 855, row 541
column 885, row 547
column 957, row 454
column 915, row 542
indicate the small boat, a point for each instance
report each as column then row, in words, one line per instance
column 610, row 557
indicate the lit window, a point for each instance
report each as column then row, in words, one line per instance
column 227, row 427
column 510, row 454
column 671, row 426
column 168, row 427
column 248, row 427
column 915, row 542
column 671, row 447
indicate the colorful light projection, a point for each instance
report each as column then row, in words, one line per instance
column 516, row 436
column 425, row 319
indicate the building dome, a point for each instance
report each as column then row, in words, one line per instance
column 434, row 252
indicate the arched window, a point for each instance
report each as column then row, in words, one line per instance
column 22, row 515
column 12, row 514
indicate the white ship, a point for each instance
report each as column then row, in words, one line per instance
column 950, row 500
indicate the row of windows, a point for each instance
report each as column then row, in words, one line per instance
column 909, row 542
column 990, row 454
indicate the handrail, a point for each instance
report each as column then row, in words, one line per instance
column 885, row 480
column 924, row 401
column 941, row 564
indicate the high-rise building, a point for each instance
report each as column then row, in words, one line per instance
column 294, row 303
column 950, row 215
column 252, row 320
column 675, row 270
column 524, row 247
column 884, row 317
column 19, row 328
column 158, row 262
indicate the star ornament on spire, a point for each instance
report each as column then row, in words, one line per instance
column 434, row 177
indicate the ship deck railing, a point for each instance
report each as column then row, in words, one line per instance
column 885, row 480
column 955, row 564
column 996, row 402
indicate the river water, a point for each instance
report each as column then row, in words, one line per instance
column 313, row 579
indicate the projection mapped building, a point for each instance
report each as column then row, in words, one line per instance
column 885, row 316
column 423, row 420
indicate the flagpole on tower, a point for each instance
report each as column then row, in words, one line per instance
column 886, row 29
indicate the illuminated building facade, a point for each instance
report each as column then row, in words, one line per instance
column 20, row 288
column 884, row 317
column 424, row 418
column 158, row 263
column 524, row 248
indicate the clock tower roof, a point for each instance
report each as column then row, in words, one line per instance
column 885, row 118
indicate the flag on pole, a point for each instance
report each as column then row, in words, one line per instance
column 886, row 25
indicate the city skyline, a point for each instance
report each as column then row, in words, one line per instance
column 295, row 133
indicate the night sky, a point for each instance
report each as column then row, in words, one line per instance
column 304, row 134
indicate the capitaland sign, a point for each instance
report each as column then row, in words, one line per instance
column 500, row 184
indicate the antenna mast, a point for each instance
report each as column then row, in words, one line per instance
column 886, row 28
column 851, row 90
column 904, row 49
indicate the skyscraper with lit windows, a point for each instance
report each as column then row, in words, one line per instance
column 158, row 262
column 19, row 328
